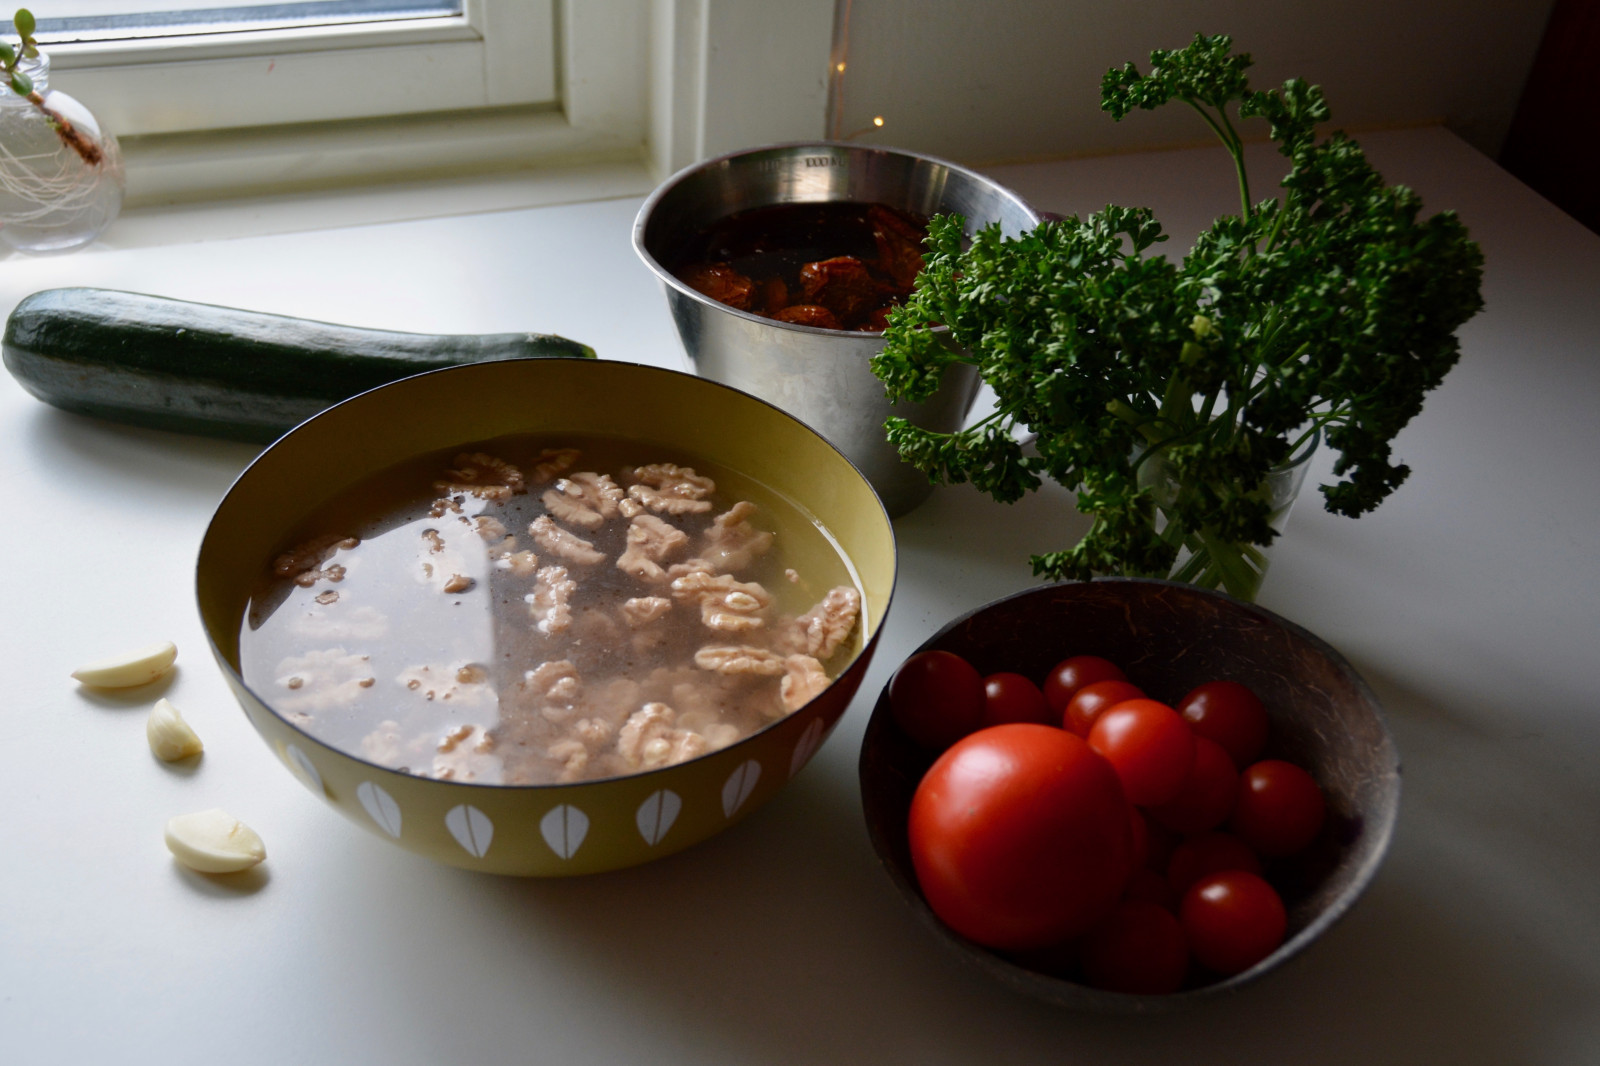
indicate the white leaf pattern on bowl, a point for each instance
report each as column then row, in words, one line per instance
column 739, row 785
column 806, row 746
column 563, row 828
column 471, row 827
column 657, row 813
column 381, row 807
column 301, row 764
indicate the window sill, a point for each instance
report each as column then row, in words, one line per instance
column 250, row 182
column 300, row 212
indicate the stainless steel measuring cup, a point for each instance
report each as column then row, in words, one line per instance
column 820, row 376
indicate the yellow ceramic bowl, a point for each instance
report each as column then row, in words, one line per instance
column 544, row 830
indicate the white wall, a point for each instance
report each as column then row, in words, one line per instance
column 731, row 74
column 986, row 81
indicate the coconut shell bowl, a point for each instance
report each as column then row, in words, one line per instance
column 1168, row 638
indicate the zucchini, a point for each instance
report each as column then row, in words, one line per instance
column 219, row 371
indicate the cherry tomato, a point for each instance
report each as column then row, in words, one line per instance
column 1019, row 836
column 1069, row 675
column 1150, row 747
column 1230, row 714
column 1232, row 920
column 1138, row 948
column 1205, row 854
column 1207, row 796
column 1089, row 701
column 1139, row 830
column 1013, row 698
column 1159, row 842
column 1278, row 808
column 1151, row 887
column 937, row 698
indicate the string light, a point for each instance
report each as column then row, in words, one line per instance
column 877, row 124
column 839, row 55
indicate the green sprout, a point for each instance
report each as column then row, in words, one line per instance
column 27, row 48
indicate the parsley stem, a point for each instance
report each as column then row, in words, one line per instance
column 1228, row 562
column 1237, row 148
column 1300, row 441
column 992, row 417
column 1266, row 334
column 1158, row 446
column 1277, row 222
column 1234, row 147
column 1177, row 403
column 1125, row 411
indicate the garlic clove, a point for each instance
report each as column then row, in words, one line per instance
column 131, row 668
column 214, row 842
column 171, row 738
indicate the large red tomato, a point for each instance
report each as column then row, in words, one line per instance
column 1020, row 836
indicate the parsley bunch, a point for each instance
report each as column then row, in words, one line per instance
column 1165, row 393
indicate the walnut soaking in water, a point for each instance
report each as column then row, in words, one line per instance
column 534, row 611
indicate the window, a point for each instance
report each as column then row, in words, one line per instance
column 221, row 64
column 225, row 98
column 107, row 20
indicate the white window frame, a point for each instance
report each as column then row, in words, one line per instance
column 496, row 53
column 649, row 84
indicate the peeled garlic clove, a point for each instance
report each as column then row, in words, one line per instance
column 214, row 842
column 130, row 668
column 170, row 737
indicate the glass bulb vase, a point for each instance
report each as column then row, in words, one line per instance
column 61, row 177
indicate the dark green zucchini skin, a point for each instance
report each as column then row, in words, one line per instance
column 218, row 371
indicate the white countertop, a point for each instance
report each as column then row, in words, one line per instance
column 1468, row 601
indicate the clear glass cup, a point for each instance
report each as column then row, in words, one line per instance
column 1205, row 559
column 61, row 176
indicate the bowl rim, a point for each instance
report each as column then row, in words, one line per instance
column 646, row 210
column 235, row 677
column 1072, row 994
